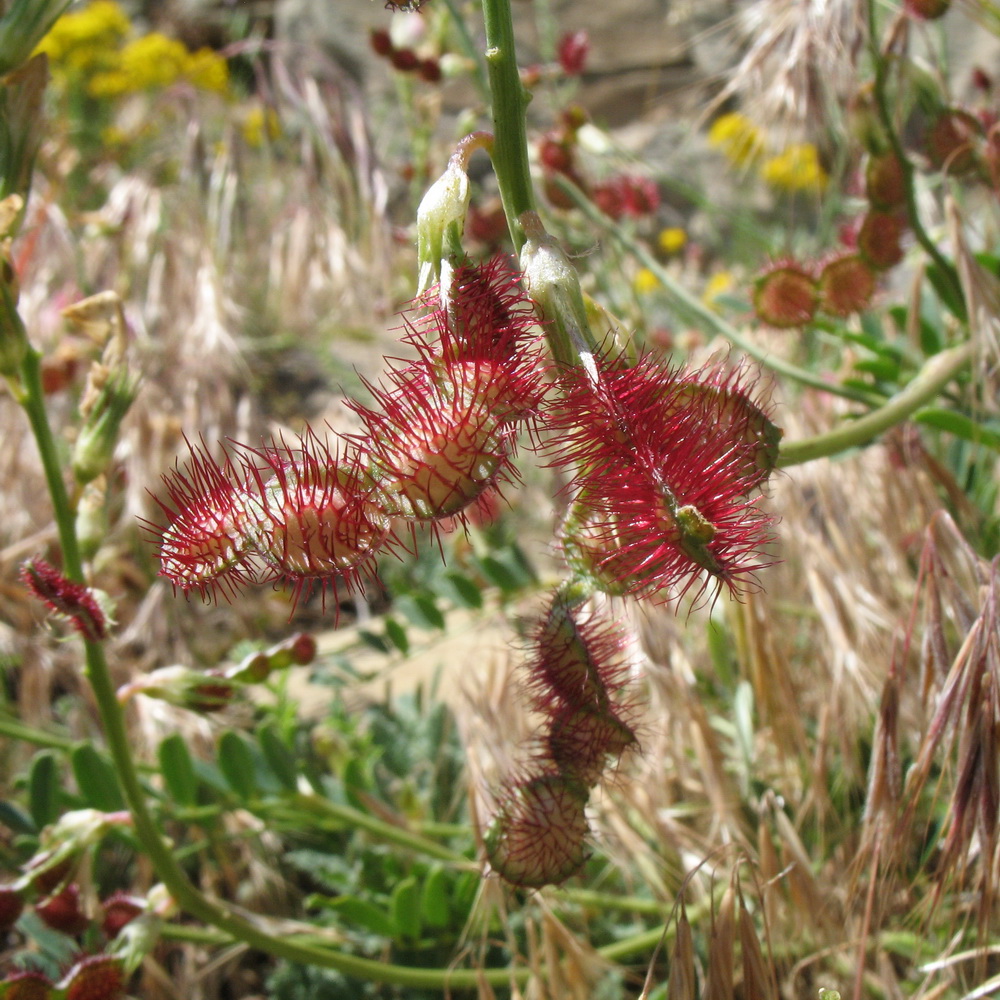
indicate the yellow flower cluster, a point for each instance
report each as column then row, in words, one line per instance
column 90, row 46
column 795, row 168
column 260, row 124
column 737, row 137
column 85, row 40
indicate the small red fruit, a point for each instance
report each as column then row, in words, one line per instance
column 26, row 985
column 119, row 909
column 62, row 911
column 785, row 296
column 381, row 43
column 884, row 182
column 880, row 239
column 574, row 48
column 846, row 285
column 96, row 977
column 11, row 905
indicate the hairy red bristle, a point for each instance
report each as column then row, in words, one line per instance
column 670, row 463
column 317, row 519
column 204, row 546
column 538, row 836
column 74, row 601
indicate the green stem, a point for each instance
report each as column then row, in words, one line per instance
column 387, row 832
column 884, row 108
column 702, row 314
column 218, row 914
column 925, row 386
column 152, row 844
column 17, row 730
column 471, row 50
column 510, row 153
column 32, row 399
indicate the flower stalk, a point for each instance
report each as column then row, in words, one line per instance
column 510, row 100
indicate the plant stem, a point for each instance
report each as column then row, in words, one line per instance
column 702, row 314
column 152, row 843
column 17, row 730
column 946, row 268
column 510, row 153
column 471, row 50
column 929, row 381
column 32, row 399
column 387, row 832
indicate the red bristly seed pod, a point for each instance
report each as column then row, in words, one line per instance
column 120, row 908
column 11, row 905
column 669, row 463
column 885, row 186
column 74, row 601
column 577, row 659
column 442, row 431
column 582, row 740
column 952, row 141
column 62, row 911
column 785, row 296
column 538, row 836
column 205, row 544
column 436, row 441
column 317, row 518
column 880, row 239
column 95, row 977
column 26, row 985
column 846, row 285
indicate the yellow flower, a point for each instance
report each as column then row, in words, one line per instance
column 739, row 140
column 207, row 70
column 149, row 62
column 795, row 168
column 716, row 286
column 260, row 123
column 671, row 240
column 85, row 39
column 645, row 282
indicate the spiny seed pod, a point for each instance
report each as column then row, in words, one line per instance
column 26, row 985
column 205, row 544
column 846, row 285
column 487, row 326
column 317, row 519
column 880, row 239
column 62, row 911
column 77, row 603
column 120, row 908
column 96, row 977
column 885, row 185
column 927, row 10
column 582, row 740
column 577, row 660
column 538, row 836
column 785, row 296
column 668, row 475
column 11, row 905
column 952, row 142
column 437, row 444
